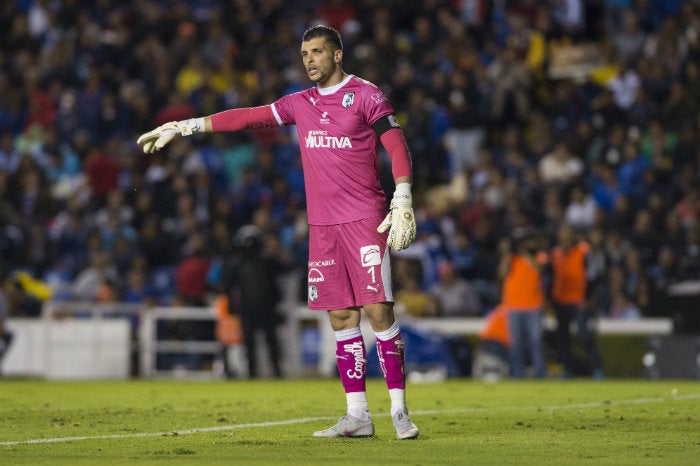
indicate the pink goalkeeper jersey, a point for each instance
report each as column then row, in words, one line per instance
column 338, row 148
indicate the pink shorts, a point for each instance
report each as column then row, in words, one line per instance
column 349, row 265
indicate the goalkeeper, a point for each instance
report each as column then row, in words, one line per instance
column 340, row 122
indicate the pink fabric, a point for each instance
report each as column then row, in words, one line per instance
column 352, row 364
column 395, row 144
column 237, row 119
column 391, row 359
column 338, row 148
column 349, row 265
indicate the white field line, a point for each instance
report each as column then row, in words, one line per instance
column 304, row 420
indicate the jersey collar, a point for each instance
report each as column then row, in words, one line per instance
column 332, row 89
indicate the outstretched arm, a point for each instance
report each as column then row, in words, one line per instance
column 229, row 120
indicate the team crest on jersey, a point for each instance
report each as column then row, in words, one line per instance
column 348, row 99
column 313, row 293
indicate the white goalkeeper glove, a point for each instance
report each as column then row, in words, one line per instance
column 157, row 139
column 400, row 220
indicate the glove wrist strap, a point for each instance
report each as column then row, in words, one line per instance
column 402, row 195
column 191, row 126
column 403, row 189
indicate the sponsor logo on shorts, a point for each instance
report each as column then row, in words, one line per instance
column 369, row 255
column 323, row 263
column 315, row 276
column 313, row 293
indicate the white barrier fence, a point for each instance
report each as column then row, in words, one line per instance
column 68, row 349
column 151, row 345
column 79, row 340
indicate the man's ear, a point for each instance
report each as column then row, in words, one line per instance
column 338, row 56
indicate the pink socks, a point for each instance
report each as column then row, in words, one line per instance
column 391, row 356
column 352, row 359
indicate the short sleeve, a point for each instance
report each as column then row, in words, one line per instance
column 376, row 105
column 283, row 110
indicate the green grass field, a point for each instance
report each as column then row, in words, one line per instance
column 270, row 422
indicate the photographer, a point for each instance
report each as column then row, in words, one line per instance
column 568, row 295
column 250, row 277
column 520, row 270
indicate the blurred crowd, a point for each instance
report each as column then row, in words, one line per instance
column 500, row 141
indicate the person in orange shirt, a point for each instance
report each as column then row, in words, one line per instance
column 568, row 296
column 491, row 361
column 520, row 269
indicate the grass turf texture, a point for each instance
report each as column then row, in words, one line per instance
column 263, row 422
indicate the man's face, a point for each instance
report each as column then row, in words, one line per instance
column 320, row 61
column 566, row 236
column 529, row 244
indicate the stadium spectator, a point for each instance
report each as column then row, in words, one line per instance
column 345, row 215
column 625, row 86
column 582, row 210
column 614, row 13
column 454, row 295
column 688, row 208
column 411, row 297
column 597, row 265
column 630, row 38
column 631, row 173
column 606, row 189
column 467, row 122
column 511, row 91
column 493, row 353
column 662, row 274
column 689, row 254
column 568, row 293
column 103, row 174
column 20, row 301
column 99, row 281
column 560, row 166
column 521, row 271
column 137, row 288
column 250, row 280
column 191, row 272
column 645, row 238
column 622, row 307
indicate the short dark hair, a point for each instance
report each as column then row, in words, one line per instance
column 331, row 35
